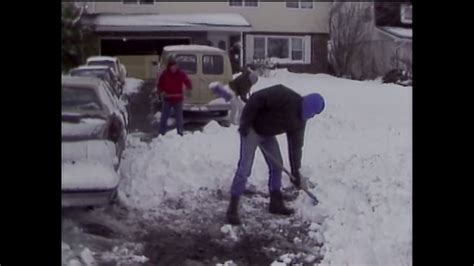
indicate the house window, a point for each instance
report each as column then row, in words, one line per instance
column 286, row 49
column 306, row 4
column 292, row 4
column 136, row 2
column 297, row 49
column 249, row 3
column 278, row 48
column 303, row 4
column 253, row 3
column 259, row 47
column 407, row 14
column 235, row 2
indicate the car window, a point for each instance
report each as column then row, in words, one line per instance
column 110, row 92
column 212, row 64
column 107, row 98
column 77, row 98
column 187, row 63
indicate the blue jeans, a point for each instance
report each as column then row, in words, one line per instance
column 248, row 145
column 166, row 113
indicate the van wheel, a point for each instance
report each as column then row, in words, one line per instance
column 224, row 123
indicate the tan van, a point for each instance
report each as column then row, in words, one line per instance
column 203, row 64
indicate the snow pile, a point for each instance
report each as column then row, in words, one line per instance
column 358, row 151
column 124, row 255
column 132, row 85
column 227, row 263
column 228, row 230
column 79, row 257
column 290, row 258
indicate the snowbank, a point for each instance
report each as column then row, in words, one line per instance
column 358, row 151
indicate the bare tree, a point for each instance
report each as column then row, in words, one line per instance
column 77, row 37
column 348, row 28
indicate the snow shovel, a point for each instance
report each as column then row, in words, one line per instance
column 311, row 195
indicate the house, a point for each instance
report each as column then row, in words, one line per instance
column 294, row 33
column 370, row 39
column 394, row 25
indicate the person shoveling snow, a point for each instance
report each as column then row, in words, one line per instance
column 236, row 92
column 270, row 112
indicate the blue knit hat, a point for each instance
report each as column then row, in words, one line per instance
column 313, row 104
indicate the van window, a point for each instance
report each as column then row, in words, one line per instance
column 187, row 63
column 213, row 64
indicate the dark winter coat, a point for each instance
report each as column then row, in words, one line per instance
column 242, row 85
column 273, row 111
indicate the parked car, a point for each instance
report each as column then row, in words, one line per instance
column 104, row 73
column 113, row 62
column 93, row 140
column 204, row 65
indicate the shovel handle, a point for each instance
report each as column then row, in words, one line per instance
column 292, row 177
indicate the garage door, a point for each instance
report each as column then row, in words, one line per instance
column 138, row 55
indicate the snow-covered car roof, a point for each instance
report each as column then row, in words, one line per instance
column 102, row 58
column 88, row 82
column 193, row 47
column 89, row 67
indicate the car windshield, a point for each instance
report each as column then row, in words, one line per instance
column 101, row 63
column 76, row 98
column 96, row 73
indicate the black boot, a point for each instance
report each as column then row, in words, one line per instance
column 276, row 204
column 233, row 211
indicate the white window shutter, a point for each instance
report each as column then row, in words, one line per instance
column 248, row 48
column 307, row 49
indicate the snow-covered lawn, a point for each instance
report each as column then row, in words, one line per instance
column 358, row 152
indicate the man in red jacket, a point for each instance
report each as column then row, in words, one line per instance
column 171, row 85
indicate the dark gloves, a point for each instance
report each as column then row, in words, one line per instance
column 297, row 181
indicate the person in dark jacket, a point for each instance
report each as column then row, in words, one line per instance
column 269, row 112
column 170, row 85
column 233, row 91
column 243, row 83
